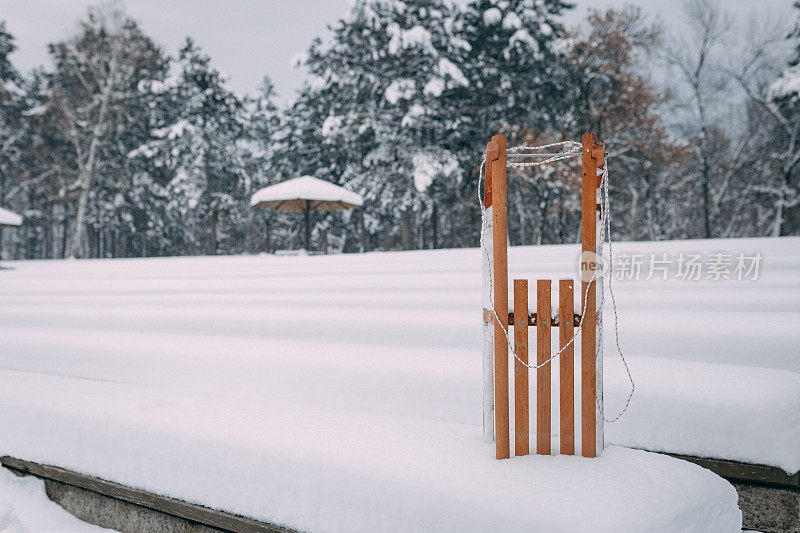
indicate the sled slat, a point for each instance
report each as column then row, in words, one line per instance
column 521, row 392
column 543, row 373
column 566, row 366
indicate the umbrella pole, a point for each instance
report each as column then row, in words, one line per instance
column 308, row 228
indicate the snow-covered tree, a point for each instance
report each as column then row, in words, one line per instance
column 198, row 144
column 116, row 149
column 783, row 105
column 516, row 81
column 266, row 124
column 10, row 118
column 517, row 86
column 10, row 111
column 90, row 94
column 268, row 164
column 385, row 76
column 768, row 185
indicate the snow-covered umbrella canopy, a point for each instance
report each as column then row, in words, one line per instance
column 306, row 194
column 9, row 219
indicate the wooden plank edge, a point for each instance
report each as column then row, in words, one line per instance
column 745, row 472
column 164, row 504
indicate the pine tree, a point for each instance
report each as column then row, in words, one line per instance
column 10, row 110
column 384, row 78
column 517, row 86
column 264, row 159
column 198, row 145
column 10, row 118
column 516, row 80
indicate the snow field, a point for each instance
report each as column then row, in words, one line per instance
column 343, row 392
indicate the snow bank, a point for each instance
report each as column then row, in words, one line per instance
column 9, row 523
column 708, row 410
column 323, row 469
column 25, row 508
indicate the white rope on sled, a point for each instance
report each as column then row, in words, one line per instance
column 605, row 233
column 573, row 151
column 572, row 145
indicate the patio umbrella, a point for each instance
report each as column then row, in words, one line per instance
column 9, row 219
column 306, row 194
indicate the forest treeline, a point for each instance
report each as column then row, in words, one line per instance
column 119, row 149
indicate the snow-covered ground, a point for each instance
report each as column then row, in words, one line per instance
column 25, row 508
column 343, row 392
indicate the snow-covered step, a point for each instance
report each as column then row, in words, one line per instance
column 323, row 469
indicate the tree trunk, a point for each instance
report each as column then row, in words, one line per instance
column 633, row 213
column 64, row 234
column 544, row 204
column 434, row 227
column 779, row 227
column 307, row 227
column 48, row 232
column 210, row 211
column 213, row 229
column 90, row 238
column 87, row 168
column 406, row 235
column 267, row 237
column 85, row 183
column 706, row 202
column 779, row 220
column 364, row 242
column 521, row 228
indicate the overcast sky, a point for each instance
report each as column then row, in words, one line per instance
column 247, row 39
